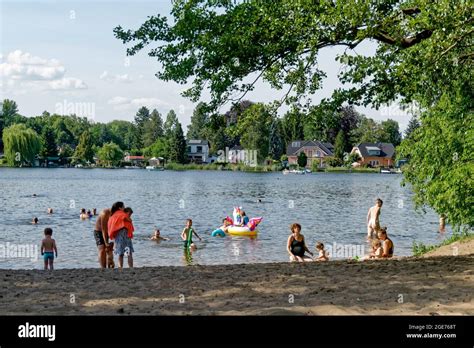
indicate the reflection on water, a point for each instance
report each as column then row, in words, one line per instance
column 332, row 208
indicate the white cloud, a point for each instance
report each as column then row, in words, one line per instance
column 118, row 101
column 36, row 72
column 24, row 66
column 67, row 83
column 115, row 78
column 124, row 103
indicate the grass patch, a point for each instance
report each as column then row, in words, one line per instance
column 419, row 249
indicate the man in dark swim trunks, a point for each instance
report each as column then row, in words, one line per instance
column 101, row 236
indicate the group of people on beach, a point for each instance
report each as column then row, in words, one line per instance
column 113, row 233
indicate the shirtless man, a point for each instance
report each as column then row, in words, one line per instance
column 102, row 239
column 373, row 223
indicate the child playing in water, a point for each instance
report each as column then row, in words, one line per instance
column 187, row 235
column 373, row 223
column 225, row 225
column 34, row 221
column 83, row 215
column 157, row 236
column 322, row 253
column 48, row 248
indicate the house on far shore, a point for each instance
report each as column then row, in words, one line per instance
column 134, row 160
column 197, row 150
column 375, row 154
column 316, row 152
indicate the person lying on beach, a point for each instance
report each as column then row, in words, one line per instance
column 187, row 235
column 34, row 221
column 377, row 250
column 373, row 223
column 296, row 245
column 322, row 253
column 83, row 215
column 48, row 249
column 157, row 236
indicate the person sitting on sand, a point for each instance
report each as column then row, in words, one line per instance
column 387, row 243
column 83, row 215
column 187, row 235
column 50, row 211
column 377, row 250
column 296, row 245
column 48, row 249
column 34, row 221
column 157, row 236
column 120, row 229
column 323, row 256
column 373, row 223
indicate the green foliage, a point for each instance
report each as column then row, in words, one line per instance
column 84, row 152
column 49, row 148
column 333, row 161
column 199, row 120
column 177, row 145
column 8, row 110
column 110, row 154
column 277, row 147
column 419, row 249
column 339, row 146
column 21, row 144
column 302, row 159
column 413, row 125
column 254, row 129
column 153, row 128
column 352, row 158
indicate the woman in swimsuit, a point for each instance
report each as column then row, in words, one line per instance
column 387, row 243
column 296, row 245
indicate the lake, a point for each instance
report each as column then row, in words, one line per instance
column 331, row 207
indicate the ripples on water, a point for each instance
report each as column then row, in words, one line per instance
column 330, row 207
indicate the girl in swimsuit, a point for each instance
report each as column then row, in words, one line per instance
column 296, row 245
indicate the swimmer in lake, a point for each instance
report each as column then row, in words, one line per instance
column 34, row 221
column 50, row 210
column 157, row 236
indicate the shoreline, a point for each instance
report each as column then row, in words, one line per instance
column 401, row 286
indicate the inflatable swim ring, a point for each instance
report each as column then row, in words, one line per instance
column 241, row 231
column 218, row 233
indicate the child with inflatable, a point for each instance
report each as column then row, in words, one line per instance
column 240, row 225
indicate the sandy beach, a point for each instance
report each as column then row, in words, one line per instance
column 407, row 286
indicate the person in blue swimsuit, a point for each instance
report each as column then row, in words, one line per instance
column 48, row 249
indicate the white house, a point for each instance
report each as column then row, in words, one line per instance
column 197, row 150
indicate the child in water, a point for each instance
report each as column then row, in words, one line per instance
column 157, row 236
column 245, row 219
column 187, row 235
column 83, row 215
column 34, row 221
column 322, row 253
column 225, row 225
column 48, row 249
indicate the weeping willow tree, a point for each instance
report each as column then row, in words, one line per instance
column 21, row 144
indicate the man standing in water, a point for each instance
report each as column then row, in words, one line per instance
column 102, row 237
column 373, row 223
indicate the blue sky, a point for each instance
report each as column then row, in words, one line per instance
column 62, row 56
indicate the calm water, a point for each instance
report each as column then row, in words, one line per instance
column 330, row 207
